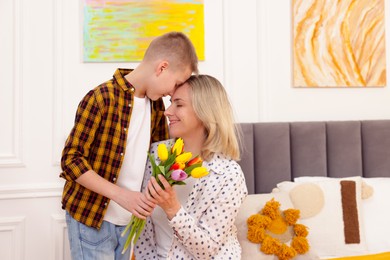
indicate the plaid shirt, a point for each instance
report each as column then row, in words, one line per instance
column 98, row 142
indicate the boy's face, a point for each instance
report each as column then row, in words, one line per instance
column 167, row 81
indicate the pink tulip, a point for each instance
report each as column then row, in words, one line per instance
column 179, row 175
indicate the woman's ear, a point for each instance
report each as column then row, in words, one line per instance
column 163, row 65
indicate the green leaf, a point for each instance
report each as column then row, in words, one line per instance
column 189, row 169
column 134, row 226
column 126, row 246
column 126, row 229
column 162, row 169
column 170, row 160
column 168, row 175
column 154, row 166
column 159, row 183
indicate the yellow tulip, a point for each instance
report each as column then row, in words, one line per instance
column 199, row 172
column 162, row 152
column 178, row 146
column 184, row 157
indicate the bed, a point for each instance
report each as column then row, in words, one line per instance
column 279, row 158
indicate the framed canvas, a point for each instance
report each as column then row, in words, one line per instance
column 339, row 43
column 121, row 30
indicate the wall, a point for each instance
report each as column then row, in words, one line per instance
column 43, row 79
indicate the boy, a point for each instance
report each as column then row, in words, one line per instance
column 104, row 156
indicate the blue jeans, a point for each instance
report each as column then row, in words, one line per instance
column 87, row 243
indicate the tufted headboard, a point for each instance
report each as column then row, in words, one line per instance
column 276, row 152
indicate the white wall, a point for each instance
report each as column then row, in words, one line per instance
column 43, row 78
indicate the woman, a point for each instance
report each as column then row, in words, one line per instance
column 196, row 220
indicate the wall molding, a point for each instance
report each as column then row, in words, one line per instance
column 60, row 247
column 14, row 228
column 30, row 191
column 58, row 83
column 15, row 157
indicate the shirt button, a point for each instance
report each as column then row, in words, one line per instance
column 129, row 104
column 114, row 179
column 125, row 129
column 105, row 204
column 121, row 154
column 132, row 89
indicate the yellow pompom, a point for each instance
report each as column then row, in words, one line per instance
column 286, row 252
column 270, row 245
column 300, row 244
column 258, row 220
column 256, row 235
column 291, row 216
column 271, row 209
column 300, row 230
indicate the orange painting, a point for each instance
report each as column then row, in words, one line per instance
column 339, row 43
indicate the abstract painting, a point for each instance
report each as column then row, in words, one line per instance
column 339, row 43
column 121, row 30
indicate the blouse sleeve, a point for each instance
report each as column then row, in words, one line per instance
column 204, row 237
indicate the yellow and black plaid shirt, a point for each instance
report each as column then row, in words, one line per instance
column 98, row 142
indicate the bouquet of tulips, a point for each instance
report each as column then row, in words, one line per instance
column 176, row 166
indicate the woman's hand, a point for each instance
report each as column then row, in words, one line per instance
column 166, row 198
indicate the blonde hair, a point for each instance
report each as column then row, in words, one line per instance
column 175, row 47
column 211, row 105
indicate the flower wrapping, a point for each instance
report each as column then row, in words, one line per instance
column 176, row 166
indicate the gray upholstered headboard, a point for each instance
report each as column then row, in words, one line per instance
column 275, row 152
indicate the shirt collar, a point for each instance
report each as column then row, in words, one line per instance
column 119, row 77
column 218, row 164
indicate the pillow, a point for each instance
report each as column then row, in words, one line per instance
column 252, row 205
column 329, row 235
column 376, row 214
column 323, row 178
column 366, row 190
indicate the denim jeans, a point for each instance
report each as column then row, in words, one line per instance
column 87, row 243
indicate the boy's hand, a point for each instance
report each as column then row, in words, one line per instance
column 133, row 201
column 136, row 203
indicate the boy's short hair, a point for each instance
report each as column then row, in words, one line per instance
column 175, row 47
